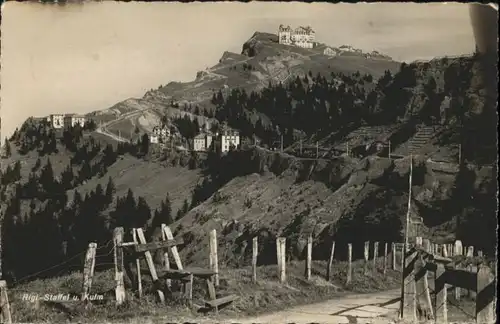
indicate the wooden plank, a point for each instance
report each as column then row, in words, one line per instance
column 461, row 278
column 441, row 308
column 173, row 249
column 308, row 258
column 221, row 301
column 214, row 263
column 255, row 252
column 150, row 263
column 330, row 262
column 165, row 255
column 211, row 289
column 88, row 270
column 118, row 257
column 138, row 266
column 349, row 263
column 153, row 246
column 5, row 313
column 486, row 296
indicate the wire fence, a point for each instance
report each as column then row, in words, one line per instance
column 65, row 262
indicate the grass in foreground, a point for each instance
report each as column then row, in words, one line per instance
column 266, row 295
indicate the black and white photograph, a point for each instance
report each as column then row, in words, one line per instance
column 248, row 162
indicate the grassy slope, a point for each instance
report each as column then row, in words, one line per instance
column 148, row 179
column 58, row 160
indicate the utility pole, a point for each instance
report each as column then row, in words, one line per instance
column 405, row 247
column 300, row 145
column 389, row 149
column 281, row 143
column 317, row 150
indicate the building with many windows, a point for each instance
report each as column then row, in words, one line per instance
column 56, row 120
column 202, row 142
column 72, row 120
column 228, row 139
column 301, row 36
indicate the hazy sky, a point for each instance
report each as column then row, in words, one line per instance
column 85, row 57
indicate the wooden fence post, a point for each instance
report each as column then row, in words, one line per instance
column 138, row 266
column 309, row 258
column 375, row 255
column 5, row 315
column 426, row 245
column 385, row 258
column 403, row 252
column 278, row 256
column 165, row 256
column 422, row 287
column 214, row 263
column 470, row 252
column 330, row 261
column 349, row 263
column 441, row 295
column 409, row 301
column 118, row 256
column 149, row 260
column 458, row 251
column 445, row 252
column 366, row 255
column 173, row 249
column 485, row 298
column 255, row 253
column 393, row 249
column 88, row 270
column 283, row 260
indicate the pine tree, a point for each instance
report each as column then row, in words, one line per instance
column 143, row 213
column 47, row 177
column 164, row 214
column 110, row 190
column 7, row 149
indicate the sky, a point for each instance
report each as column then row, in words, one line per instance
column 84, row 57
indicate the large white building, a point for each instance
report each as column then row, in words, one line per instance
column 56, row 120
column 229, row 138
column 202, row 142
column 69, row 120
column 300, row 36
column 72, row 120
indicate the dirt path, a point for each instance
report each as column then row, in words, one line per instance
column 362, row 308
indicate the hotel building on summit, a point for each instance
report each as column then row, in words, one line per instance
column 301, row 36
